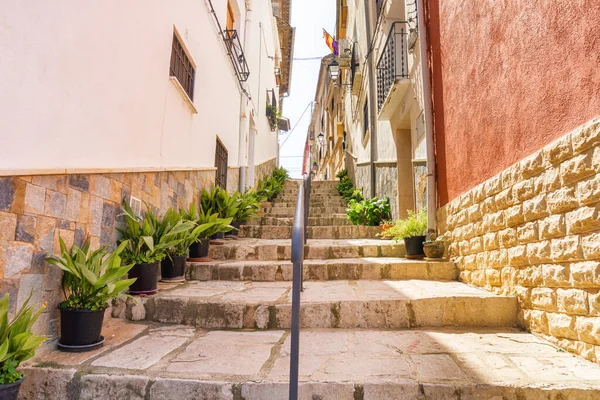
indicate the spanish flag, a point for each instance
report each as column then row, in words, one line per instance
column 330, row 42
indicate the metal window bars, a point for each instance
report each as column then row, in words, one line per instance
column 299, row 239
column 393, row 63
column 236, row 54
column 182, row 68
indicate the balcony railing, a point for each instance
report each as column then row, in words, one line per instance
column 236, row 53
column 393, row 63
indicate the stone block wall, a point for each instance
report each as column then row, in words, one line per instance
column 386, row 184
column 36, row 210
column 361, row 178
column 264, row 169
column 534, row 231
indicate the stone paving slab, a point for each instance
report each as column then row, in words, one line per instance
column 334, row 364
column 334, row 269
column 314, row 232
column 323, row 249
column 325, row 304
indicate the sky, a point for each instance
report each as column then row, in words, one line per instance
column 309, row 17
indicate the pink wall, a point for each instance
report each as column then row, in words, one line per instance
column 508, row 77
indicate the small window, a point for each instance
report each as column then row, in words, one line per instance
column 182, row 67
column 366, row 118
column 221, row 158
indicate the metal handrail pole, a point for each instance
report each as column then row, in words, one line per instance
column 298, row 233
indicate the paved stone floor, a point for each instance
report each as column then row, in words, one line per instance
column 145, row 360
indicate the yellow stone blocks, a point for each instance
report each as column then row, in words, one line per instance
column 534, row 231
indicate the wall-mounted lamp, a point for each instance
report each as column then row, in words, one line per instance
column 321, row 138
column 334, row 70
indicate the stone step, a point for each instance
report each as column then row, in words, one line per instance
column 341, row 220
column 328, row 304
column 321, row 270
column 313, row 211
column 277, row 203
column 142, row 361
column 314, row 232
column 280, row 249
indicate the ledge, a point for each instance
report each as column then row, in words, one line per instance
column 185, row 96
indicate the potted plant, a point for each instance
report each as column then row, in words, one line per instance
column 147, row 244
column 219, row 201
column 368, row 212
column 199, row 240
column 91, row 278
column 17, row 344
column 273, row 116
column 412, row 230
column 434, row 247
column 172, row 267
column 248, row 204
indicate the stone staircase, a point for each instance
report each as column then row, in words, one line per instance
column 374, row 326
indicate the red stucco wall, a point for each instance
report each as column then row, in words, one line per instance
column 508, row 77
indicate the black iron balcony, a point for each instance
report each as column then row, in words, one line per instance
column 236, row 54
column 393, row 63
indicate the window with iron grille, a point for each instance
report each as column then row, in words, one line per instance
column 221, row 157
column 182, row 67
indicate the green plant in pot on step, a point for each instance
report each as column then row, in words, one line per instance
column 412, row 230
column 148, row 242
column 172, row 267
column 248, row 206
column 220, row 201
column 90, row 280
column 17, row 344
column 198, row 241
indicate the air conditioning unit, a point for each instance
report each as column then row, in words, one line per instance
column 345, row 53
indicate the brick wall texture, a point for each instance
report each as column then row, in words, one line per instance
column 534, row 231
column 36, row 210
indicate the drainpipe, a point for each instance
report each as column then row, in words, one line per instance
column 372, row 99
column 244, row 129
column 428, row 110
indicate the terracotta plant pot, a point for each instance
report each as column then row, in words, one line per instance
column 434, row 249
column 414, row 246
column 383, row 228
column 10, row 391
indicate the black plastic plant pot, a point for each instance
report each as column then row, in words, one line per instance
column 414, row 246
column 234, row 232
column 147, row 278
column 218, row 236
column 173, row 268
column 10, row 391
column 199, row 250
column 80, row 330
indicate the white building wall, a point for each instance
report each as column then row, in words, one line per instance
column 85, row 85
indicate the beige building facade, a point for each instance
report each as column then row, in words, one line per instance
column 378, row 103
column 145, row 102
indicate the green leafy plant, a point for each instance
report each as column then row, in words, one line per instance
column 91, row 277
column 368, row 212
column 147, row 239
column 248, row 205
column 346, row 189
column 271, row 186
column 273, row 114
column 210, row 220
column 219, row 201
column 185, row 238
column 414, row 225
column 17, row 342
